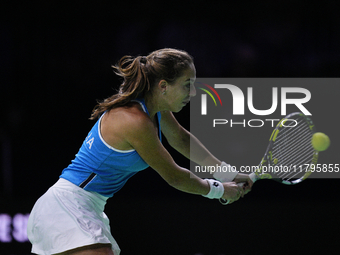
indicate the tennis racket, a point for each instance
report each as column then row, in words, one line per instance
column 290, row 156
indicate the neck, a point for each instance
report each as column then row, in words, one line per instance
column 153, row 104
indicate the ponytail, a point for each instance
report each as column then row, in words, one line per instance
column 135, row 84
column 140, row 73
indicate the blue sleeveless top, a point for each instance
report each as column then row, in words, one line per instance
column 101, row 168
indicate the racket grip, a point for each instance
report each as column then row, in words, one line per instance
column 252, row 176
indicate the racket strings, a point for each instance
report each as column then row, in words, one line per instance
column 298, row 168
column 294, row 159
column 296, row 130
column 295, row 167
column 291, row 147
column 290, row 139
column 292, row 150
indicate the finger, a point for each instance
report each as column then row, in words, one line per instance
column 250, row 183
column 247, row 189
column 241, row 192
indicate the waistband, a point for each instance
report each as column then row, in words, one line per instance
column 65, row 184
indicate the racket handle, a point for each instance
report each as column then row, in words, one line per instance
column 252, row 176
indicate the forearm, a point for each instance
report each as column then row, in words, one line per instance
column 190, row 183
column 186, row 181
column 189, row 146
column 202, row 156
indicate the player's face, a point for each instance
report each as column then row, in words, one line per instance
column 179, row 93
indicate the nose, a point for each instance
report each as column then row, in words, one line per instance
column 192, row 92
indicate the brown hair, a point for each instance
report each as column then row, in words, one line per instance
column 141, row 73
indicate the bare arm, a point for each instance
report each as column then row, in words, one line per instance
column 142, row 136
column 180, row 139
column 189, row 146
column 135, row 130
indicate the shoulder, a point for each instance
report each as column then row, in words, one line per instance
column 121, row 125
column 128, row 118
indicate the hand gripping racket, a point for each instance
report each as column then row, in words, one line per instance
column 290, row 156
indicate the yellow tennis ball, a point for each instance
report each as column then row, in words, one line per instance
column 320, row 141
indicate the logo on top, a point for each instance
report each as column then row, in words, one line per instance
column 204, row 97
column 239, row 99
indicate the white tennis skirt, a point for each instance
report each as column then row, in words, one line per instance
column 67, row 217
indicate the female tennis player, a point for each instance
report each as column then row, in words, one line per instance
column 69, row 218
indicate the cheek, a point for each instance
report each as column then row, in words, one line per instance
column 176, row 103
column 177, row 96
column 182, row 96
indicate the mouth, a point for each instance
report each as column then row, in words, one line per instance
column 186, row 101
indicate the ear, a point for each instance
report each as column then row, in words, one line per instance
column 162, row 85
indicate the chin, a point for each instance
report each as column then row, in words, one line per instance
column 177, row 109
column 180, row 108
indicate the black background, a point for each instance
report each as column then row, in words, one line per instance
column 56, row 62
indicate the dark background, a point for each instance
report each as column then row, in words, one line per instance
column 56, row 62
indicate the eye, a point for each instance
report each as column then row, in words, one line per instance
column 187, row 85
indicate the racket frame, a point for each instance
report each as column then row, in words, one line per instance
column 268, row 160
